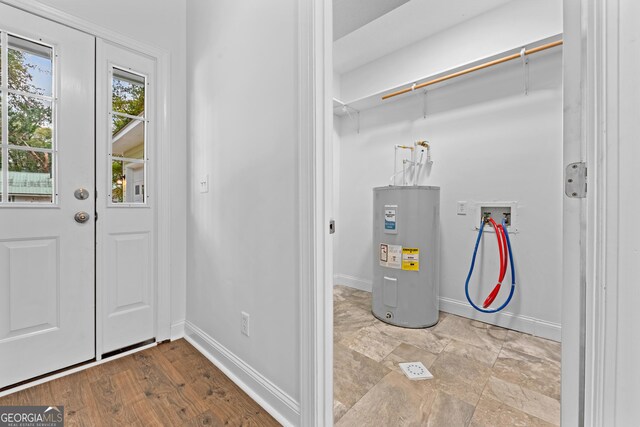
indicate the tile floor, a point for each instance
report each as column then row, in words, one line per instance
column 483, row 375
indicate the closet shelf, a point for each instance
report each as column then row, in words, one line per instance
column 342, row 108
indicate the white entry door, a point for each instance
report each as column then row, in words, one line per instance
column 47, row 202
column 125, row 165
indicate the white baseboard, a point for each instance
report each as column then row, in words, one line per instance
column 275, row 401
column 526, row 324
column 177, row 330
column 353, row 282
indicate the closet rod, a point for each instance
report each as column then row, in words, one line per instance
column 472, row 69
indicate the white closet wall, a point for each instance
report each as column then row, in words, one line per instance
column 242, row 234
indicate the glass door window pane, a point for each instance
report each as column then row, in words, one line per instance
column 27, row 134
column 30, row 122
column 1, row 139
column 30, row 66
column 128, row 137
column 30, row 176
column 129, row 142
column 127, row 182
column 128, row 93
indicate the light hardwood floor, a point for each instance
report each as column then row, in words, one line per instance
column 168, row 385
column 484, row 376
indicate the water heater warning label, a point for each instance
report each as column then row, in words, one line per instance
column 390, row 255
column 390, row 218
column 411, row 259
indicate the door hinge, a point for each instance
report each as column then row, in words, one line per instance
column 575, row 180
column 332, row 226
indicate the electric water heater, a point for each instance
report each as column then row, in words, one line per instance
column 406, row 229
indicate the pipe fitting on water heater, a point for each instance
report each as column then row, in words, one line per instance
column 411, row 168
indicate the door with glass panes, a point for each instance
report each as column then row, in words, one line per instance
column 47, row 198
column 126, row 248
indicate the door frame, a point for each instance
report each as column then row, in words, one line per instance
column 581, row 221
column 574, row 218
column 315, row 73
column 600, row 113
column 163, row 176
column 591, row 103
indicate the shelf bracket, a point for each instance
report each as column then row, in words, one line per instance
column 525, row 69
column 424, row 104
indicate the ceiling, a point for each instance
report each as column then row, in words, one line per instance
column 349, row 15
column 365, row 30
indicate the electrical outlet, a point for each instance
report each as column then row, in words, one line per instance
column 462, row 208
column 244, row 326
column 204, row 184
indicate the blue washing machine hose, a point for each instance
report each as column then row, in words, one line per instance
column 473, row 262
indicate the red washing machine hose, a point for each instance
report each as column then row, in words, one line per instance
column 504, row 253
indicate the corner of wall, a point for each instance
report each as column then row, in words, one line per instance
column 353, row 282
column 177, row 330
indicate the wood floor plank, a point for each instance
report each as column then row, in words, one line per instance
column 144, row 411
column 85, row 417
column 166, row 390
column 206, row 419
column 216, row 389
column 74, row 393
column 110, row 404
column 175, row 350
column 167, row 385
column 30, row 396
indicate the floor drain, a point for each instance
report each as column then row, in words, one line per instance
column 415, row 371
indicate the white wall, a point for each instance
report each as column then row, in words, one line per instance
column 490, row 143
column 335, row 171
column 336, row 86
column 162, row 24
column 242, row 234
column 515, row 24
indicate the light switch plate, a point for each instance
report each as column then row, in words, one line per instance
column 462, row 208
column 204, row 184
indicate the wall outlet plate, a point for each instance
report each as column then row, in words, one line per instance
column 244, row 325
